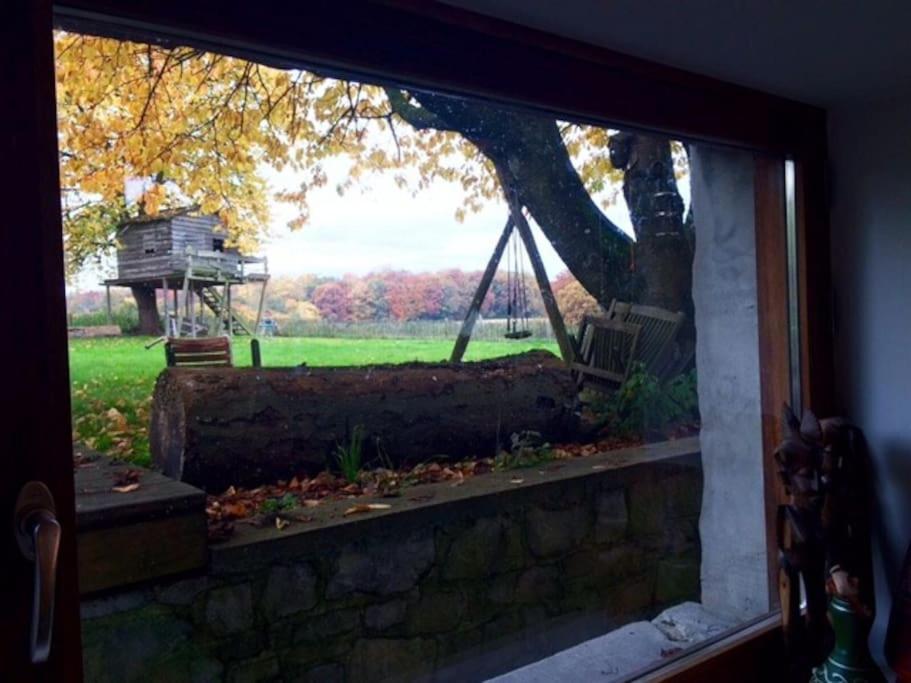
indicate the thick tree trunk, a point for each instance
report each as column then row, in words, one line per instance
column 147, row 305
column 533, row 163
column 663, row 254
column 214, row 427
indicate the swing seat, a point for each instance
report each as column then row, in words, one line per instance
column 518, row 334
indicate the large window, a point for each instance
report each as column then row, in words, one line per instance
column 505, row 390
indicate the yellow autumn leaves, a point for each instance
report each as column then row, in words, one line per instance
column 199, row 128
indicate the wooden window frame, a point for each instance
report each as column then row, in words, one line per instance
column 453, row 51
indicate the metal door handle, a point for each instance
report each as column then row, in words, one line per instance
column 38, row 534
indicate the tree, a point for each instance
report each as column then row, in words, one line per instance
column 572, row 299
column 200, row 125
column 333, row 301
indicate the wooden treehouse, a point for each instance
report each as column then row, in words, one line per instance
column 185, row 257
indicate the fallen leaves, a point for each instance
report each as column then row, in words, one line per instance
column 126, row 481
column 276, row 504
column 117, row 421
column 365, row 507
column 125, row 477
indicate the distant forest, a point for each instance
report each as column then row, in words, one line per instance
column 387, row 295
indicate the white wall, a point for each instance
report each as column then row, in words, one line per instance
column 870, row 149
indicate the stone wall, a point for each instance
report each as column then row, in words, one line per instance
column 480, row 584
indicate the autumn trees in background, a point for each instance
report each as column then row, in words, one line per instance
column 386, row 295
column 199, row 128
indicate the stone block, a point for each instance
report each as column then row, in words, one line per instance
column 487, row 545
column 229, row 609
column 289, row 590
column 382, row 567
column 682, row 495
column 538, row 584
column 386, row 614
column 605, row 567
column 324, row 673
column 680, row 537
column 555, row 532
column 182, row 593
column 502, row 589
column 611, row 516
column 504, row 625
column 677, row 579
column 380, row 659
column 436, row 613
column 149, row 644
column 326, row 626
column 113, row 604
column 262, row 669
column 236, row 647
column 646, row 510
column 631, row 598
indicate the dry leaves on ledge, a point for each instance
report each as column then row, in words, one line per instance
column 365, row 507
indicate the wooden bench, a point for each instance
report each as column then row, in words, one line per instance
column 197, row 353
column 609, row 345
column 656, row 340
column 607, row 348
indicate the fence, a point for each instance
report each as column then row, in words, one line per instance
column 492, row 329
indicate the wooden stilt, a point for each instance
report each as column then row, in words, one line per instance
column 164, row 297
column 107, row 293
column 193, row 312
column 550, row 302
column 186, row 304
column 478, row 300
column 226, row 309
column 262, row 298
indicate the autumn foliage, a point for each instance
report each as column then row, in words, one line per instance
column 200, row 128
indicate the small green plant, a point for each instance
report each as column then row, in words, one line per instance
column 274, row 505
column 644, row 406
column 349, row 456
column 527, row 449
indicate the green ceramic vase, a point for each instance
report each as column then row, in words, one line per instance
column 850, row 660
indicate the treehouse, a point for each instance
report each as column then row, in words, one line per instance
column 185, row 256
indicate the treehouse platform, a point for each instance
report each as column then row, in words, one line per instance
column 185, row 257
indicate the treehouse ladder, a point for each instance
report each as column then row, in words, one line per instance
column 215, row 302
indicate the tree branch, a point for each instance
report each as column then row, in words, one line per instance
column 417, row 117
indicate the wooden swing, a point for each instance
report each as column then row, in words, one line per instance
column 517, row 308
column 516, row 292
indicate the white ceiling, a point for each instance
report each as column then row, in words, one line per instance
column 825, row 52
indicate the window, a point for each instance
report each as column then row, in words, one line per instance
column 613, row 399
column 218, row 244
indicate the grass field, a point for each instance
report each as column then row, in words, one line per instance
column 112, row 379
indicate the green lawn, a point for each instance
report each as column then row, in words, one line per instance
column 112, row 379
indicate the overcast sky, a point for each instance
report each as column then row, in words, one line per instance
column 378, row 225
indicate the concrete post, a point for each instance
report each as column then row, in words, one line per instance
column 732, row 523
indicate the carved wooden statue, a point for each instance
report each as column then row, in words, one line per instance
column 824, row 540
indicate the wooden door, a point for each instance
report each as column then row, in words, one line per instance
column 35, row 418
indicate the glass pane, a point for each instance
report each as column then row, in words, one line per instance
column 375, row 383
